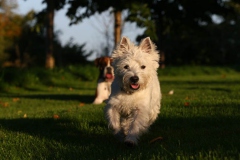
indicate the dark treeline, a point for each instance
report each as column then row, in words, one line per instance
column 201, row 32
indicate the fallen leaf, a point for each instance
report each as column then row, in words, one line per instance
column 186, row 104
column 55, row 116
column 156, row 139
column 16, row 99
column 4, row 104
column 81, row 104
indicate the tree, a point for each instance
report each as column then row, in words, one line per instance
column 141, row 14
column 50, row 62
column 32, row 44
column 52, row 5
column 79, row 10
column 23, row 40
column 10, row 28
column 117, row 26
column 182, row 27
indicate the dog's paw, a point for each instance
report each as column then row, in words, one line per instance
column 130, row 143
column 120, row 136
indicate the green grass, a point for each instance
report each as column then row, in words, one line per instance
column 49, row 115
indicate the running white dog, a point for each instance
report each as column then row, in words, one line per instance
column 134, row 103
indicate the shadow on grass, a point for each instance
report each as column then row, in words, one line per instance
column 32, row 89
column 191, row 135
column 195, row 82
column 64, row 97
column 43, row 127
column 81, row 143
column 194, row 135
column 213, row 89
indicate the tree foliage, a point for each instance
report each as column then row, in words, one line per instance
column 182, row 29
column 81, row 9
column 186, row 31
column 9, row 27
column 26, row 43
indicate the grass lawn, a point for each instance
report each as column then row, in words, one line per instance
column 50, row 116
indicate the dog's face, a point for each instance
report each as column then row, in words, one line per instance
column 134, row 65
column 106, row 70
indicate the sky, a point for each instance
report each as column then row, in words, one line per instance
column 88, row 31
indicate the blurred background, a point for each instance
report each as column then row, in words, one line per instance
column 56, row 33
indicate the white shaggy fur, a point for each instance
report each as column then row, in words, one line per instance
column 134, row 103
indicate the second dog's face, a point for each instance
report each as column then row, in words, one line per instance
column 134, row 65
column 106, row 69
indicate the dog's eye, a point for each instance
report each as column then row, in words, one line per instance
column 143, row 67
column 126, row 67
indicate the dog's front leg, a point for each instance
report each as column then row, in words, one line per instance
column 138, row 124
column 113, row 118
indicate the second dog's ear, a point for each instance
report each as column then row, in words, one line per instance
column 146, row 45
column 124, row 43
column 96, row 62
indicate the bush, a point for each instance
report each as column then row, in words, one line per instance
column 25, row 77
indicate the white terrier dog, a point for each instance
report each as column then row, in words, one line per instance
column 134, row 103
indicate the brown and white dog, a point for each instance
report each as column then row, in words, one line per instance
column 105, row 79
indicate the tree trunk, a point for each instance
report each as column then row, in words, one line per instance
column 117, row 26
column 50, row 62
column 18, row 61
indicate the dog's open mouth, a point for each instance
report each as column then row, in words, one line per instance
column 109, row 76
column 134, row 86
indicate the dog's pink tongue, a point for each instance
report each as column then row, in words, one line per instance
column 135, row 86
column 109, row 76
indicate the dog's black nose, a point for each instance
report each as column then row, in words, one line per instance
column 134, row 79
column 109, row 69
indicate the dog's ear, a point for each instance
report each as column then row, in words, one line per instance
column 146, row 45
column 124, row 43
column 97, row 62
column 149, row 47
